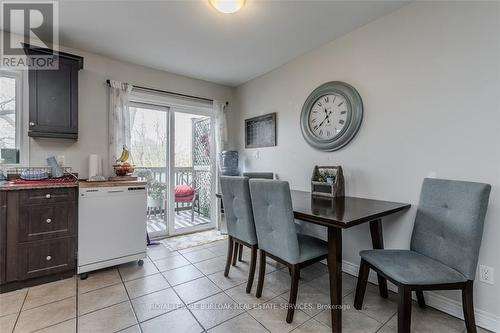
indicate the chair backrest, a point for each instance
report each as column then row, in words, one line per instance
column 274, row 221
column 259, row 175
column 449, row 223
column 238, row 208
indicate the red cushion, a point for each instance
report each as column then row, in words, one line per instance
column 183, row 191
column 183, row 199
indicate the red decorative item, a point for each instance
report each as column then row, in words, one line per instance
column 183, row 191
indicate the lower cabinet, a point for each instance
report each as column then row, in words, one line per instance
column 39, row 238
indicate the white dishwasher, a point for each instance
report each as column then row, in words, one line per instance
column 111, row 226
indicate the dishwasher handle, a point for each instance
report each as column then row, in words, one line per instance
column 116, row 191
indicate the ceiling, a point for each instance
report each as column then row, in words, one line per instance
column 191, row 38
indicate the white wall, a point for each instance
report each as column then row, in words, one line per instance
column 429, row 76
column 93, row 105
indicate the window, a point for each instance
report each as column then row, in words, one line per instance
column 10, row 116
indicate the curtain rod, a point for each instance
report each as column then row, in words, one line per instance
column 171, row 93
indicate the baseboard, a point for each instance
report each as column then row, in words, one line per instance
column 484, row 319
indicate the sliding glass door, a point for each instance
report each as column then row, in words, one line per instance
column 173, row 148
column 192, row 152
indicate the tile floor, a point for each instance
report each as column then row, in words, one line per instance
column 185, row 291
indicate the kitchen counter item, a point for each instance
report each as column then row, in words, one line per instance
column 111, row 224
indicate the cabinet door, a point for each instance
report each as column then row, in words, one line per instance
column 45, row 257
column 3, row 233
column 53, row 96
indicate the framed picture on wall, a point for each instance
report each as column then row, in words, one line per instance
column 260, row 131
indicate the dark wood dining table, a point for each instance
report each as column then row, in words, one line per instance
column 337, row 214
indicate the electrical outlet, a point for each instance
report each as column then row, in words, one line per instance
column 486, row 274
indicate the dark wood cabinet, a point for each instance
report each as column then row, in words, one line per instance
column 38, row 235
column 53, row 96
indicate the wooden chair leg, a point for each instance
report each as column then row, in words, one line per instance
column 235, row 254
column 404, row 309
column 421, row 298
column 364, row 270
column 468, row 305
column 262, row 272
column 240, row 252
column 229, row 256
column 251, row 273
column 293, row 293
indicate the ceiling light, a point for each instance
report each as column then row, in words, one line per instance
column 227, row 6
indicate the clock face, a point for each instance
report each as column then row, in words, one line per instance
column 328, row 116
column 331, row 116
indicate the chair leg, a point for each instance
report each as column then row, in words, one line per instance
column 421, row 298
column 235, row 254
column 240, row 252
column 404, row 309
column 251, row 273
column 262, row 272
column 364, row 270
column 293, row 293
column 468, row 305
column 229, row 256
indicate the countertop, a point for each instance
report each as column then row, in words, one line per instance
column 9, row 186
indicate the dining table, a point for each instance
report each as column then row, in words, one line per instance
column 337, row 214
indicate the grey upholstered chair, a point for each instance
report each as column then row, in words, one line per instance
column 278, row 237
column 240, row 223
column 443, row 252
column 259, row 175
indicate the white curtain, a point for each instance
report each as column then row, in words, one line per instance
column 119, row 119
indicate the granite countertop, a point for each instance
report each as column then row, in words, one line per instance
column 10, row 186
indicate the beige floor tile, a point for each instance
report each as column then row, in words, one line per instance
column 155, row 304
column 197, row 289
column 387, row 329
column 7, row 323
column 323, row 283
column 146, row 285
column 312, row 272
column 239, row 295
column 310, row 299
column 160, row 251
column 211, row 266
column 99, row 279
column 273, row 316
column 214, row 310
column 236, row 277
column 176, row 321
column 353, row 321
column 132, row 329
column 429, row 320
column 12, row 302
column 133, row 271
column 50, row 292
column 312, row 326
column 46, row 315
column 380, row 309
column 100, row 298
column 68, row 326
column 278, row 282
column 110, row 319
column 193, row 248
column 171, row 263
column 200, row 255
column 182, row 274
column 244, row 323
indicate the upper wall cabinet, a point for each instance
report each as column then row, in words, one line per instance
column 53, row 95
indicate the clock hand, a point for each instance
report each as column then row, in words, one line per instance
column 326, row 118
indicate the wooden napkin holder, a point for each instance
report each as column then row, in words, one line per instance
column 332, row 188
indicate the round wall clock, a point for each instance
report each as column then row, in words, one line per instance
column 331, row 116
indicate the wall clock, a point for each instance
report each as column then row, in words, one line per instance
column 331, row 116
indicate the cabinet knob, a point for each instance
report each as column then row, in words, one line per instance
column 48, row 258
column 47, row 196
column 32, row 123
column 48, row 220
